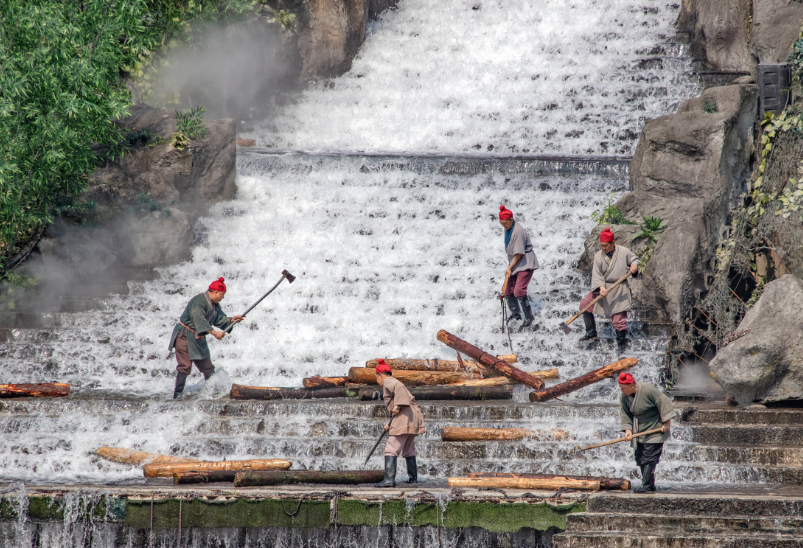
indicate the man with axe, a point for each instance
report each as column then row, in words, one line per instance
column 642, row 408
column 200, row 317
column 611, row 263
column 521, row 265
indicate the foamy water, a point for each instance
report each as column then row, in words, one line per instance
column 491, row 76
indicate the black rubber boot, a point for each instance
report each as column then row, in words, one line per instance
column 208, row 374
column 412, row 470
column 524, row 303
column 181, row 380
column 513, row 307
column 647, row 479
column 621, row 340
column 390, row 473
column 591, row 327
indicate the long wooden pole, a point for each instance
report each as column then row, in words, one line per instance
column 404, row 364
column 609, row 484
column 166, row 470
column 460, row 433
column 502, row 381
column 584, row 380
column 241, row 392
column 447, row 392
column 324, row 382
column 565, row 325
column 488, row 360
column 335, row 477
column 619, row 440
column 554, row 482
column 365, row 375
column 130, row 456
column 37, row 390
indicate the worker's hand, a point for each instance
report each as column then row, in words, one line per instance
column 387, row 428
column 634, row 268
column 508, row 272
column 628, row 435
column 664, row 428
column 603, row 291
column 217, row 334
column 395, row 410
column 237, row 318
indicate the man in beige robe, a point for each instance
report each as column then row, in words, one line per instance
column 405, row 424
column 610, row 264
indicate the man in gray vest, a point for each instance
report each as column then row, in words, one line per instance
column 521, row 265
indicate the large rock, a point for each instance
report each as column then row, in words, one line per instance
column 735, row 35
column 330, row 35
column 688, row 169
column 766, row 363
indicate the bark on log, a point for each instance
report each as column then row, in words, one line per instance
column 459, row 433
column 402, row 364
column 217, row 476
column 38, row 390
column 240, row 392
column 324, row 382
column 130, row 456
column 550, row 482
column 584, row 380
column 490, row 361
column 166, row 470
column 449, row 392
column 607, row 484
column 366, row 375
column 337, row 477
column 501, row 381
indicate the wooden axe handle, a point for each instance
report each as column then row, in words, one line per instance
column 504, row 285
column 653, row 431
column 592, row 303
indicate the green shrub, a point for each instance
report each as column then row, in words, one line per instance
column 286, row 19
column 610, row 215
column 189, row 126
column 710, row 106
column 650, row 228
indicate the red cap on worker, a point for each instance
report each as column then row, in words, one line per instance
column 218, row 285
column 382, row 367
column 504, row 213
column 606, row 235
column 626, row 378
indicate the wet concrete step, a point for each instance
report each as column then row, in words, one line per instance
column 713, row 525
column 673, row 504
column 748, row 435
column 598, row 539
column 745, row 416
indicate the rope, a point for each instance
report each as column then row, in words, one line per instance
column 298, row 508
column 151, row 520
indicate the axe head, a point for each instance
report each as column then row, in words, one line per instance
column 566, row 328
column 578, row 453
column 290, row 277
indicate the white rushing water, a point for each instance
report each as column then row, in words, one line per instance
column 493, row 76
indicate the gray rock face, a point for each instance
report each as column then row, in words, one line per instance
column 330, row 36
column 735, row 35
column 688, row 169
column 766, row 364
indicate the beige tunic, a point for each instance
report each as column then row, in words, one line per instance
column 410, row 420
column 521, row 244
column 606, row 272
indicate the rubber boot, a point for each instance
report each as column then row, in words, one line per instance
column 513, row 307
column 390, row 473
column 647, row 479
column 591, row 327
column 181, row 380
column 208, row 374
column 524, row 303
column 412, row 470
column 621, row 340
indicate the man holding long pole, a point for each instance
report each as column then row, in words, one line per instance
column 610, row 263
column 521, row 265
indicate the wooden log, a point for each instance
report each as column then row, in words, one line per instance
column 336, row 477
column 550, row 482
column 501, row 381
column 584, row 380
column 402, row 364
column 37, row 390
column 130, row 456
column 216, row 476
column 490, row 361
column 166, row 470
column 607, row 484
column 449, row 392
column 366, row 375
column 324, row 382
column 459, row 433
column 240, row 392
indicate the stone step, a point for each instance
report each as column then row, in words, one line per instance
column 617, row 540
column 746, row 416
column 748, row 435
column 586, row 522
column 698, row 505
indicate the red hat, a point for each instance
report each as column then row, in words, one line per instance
column 626, row 378
column 606, row 235
column 504, row 213
column 382, row 367
column 218, row 285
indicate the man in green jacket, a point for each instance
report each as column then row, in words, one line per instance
column 200, row 317
column 644, row 407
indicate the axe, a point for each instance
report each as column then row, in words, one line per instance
column 565, row 325
column 285, row 274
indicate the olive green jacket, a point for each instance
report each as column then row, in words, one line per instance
column 202, row 316
column 647, row 409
